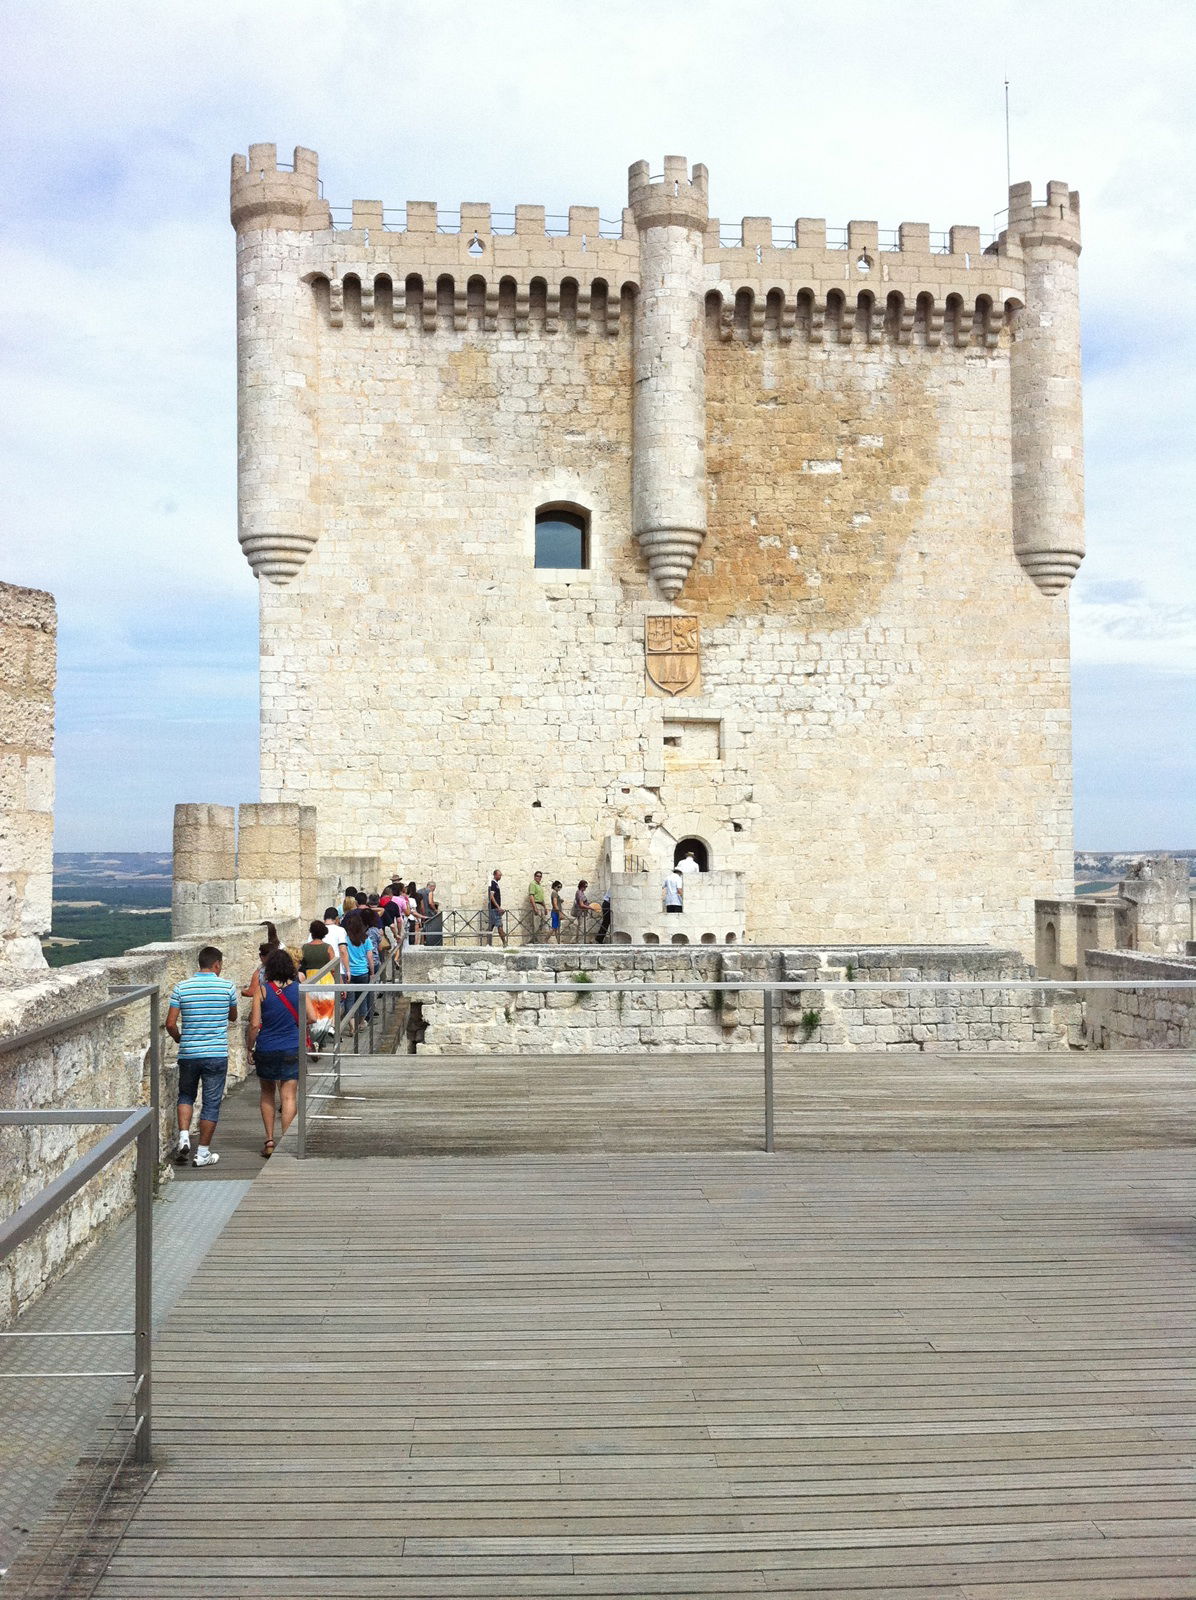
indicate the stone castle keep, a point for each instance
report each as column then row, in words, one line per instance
column 825, row 503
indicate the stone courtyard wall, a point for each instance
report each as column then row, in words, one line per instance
column 102, row 1063
column 571, row 1018
column 1139, row 1019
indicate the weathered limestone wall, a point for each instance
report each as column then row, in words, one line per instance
column 570, row 1019
column 881, row 711
column 104, row 1063
column 1139, row 1019
column 1067, row 930
column 1159, row 889
column 204, row 869
column 1152, row 912
column 257, row 865
column 28, row 637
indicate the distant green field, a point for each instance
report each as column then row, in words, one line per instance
column 131, row 893
column 105, row 930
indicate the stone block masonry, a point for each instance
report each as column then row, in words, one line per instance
column 571, row 1019
column 1139, row 1019
column 854, row 474
column 254, row 866
column 28, row 638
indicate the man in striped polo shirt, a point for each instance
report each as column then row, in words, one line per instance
column 201, row 1009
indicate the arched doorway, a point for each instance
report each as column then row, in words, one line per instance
column 701, row 852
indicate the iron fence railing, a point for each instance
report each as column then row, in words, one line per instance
column 473, row 927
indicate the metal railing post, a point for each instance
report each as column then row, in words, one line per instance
column 155, row 1049
column 336, row 1028
column 301, row 1109
column 143, row 1290
column 768, row 1103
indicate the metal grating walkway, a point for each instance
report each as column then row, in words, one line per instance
column 49, row 1423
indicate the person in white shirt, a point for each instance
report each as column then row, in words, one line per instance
column 674, row 891
column 688, row 863
column 338, row 939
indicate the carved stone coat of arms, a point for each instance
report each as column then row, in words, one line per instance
column 671, row 652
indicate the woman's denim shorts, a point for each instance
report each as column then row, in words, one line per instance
column 276, row 1066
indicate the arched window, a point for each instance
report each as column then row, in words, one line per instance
column 562, row 538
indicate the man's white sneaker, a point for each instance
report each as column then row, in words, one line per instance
column 183, row 1152
column 205, row 1158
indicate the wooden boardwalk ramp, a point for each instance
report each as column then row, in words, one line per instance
column 954, row 1374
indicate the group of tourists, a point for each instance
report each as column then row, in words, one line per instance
column 347, row 945
column 546, row 909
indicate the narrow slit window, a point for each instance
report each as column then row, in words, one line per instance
column 562, row 540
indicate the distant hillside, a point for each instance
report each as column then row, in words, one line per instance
column 1115, row 863
column 110, row 866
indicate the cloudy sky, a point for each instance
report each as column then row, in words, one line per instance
column 117, row 121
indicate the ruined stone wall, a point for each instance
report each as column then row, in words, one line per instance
column 573, row 1018
column 880, row 709
column 28, row 635
column 101, row 1063
column 1159, row 890
column 1139, row 1019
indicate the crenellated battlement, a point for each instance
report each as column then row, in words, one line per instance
column 674, row 199
column 1055, row 223
column 264, row 194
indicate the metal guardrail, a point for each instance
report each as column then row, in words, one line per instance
column 138, row 1125
column 132, row 1125
column 768, row 990
column 462, row 926
column 355, row 1016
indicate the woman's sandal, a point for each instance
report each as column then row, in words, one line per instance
column 268, row 1149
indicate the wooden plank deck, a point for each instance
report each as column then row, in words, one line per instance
column 954, row 1375
column 491, row 1105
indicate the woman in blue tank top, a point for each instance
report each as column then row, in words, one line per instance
column 276, row 1040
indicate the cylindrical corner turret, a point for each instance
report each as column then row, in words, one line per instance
column 264, row 195
column 669, row 470
column 1044, row 375
column 273, row 210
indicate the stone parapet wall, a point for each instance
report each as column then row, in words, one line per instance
column 574, row 1018
column 103, row 1063
column 713, row 912
column 1138, row 1019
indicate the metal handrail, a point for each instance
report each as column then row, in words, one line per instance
column 126, row 995
column 133, row 1124
column 458, row 925
column 390, row 993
